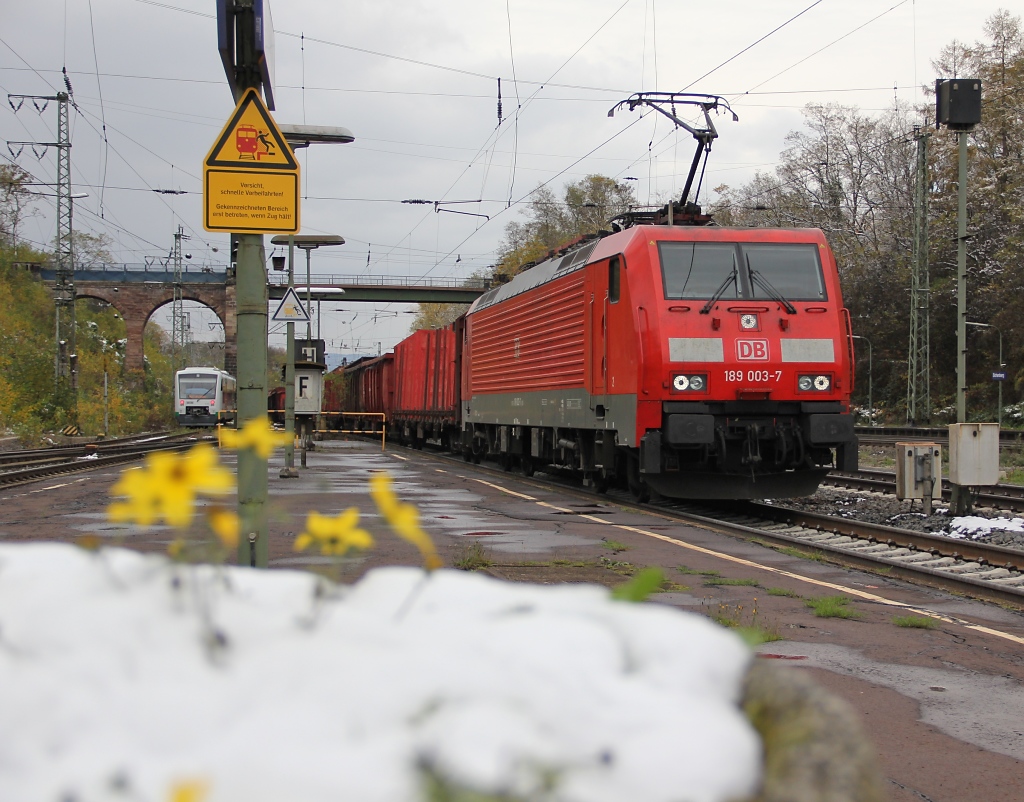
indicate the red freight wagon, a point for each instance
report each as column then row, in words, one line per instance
column 369, row 388
column 697, row 361
column 426, row 393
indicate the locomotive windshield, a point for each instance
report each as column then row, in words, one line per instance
column 698, row 270
column 791, row 268
column 197, row 387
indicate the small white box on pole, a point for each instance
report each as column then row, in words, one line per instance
column 308, row 390
column 974, row 454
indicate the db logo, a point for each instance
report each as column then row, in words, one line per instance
column 752, row 350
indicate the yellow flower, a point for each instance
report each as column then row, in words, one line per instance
column 257, row 435
column 225, row 526
column 336, row 535
column 166, row 487
column 189, row 791
column 404, row 519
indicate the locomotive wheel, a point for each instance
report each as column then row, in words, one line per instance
column 505, row 461
column 637, row 486
column 526, row 466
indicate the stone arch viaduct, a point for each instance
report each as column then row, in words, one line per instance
column 137, row 294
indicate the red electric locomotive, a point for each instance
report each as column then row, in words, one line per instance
column 693, row 360
column 701, row 362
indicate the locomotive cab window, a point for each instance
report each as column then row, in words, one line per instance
column 793, row 269
column 770, row 270
column 613, row 280
column 698, row 269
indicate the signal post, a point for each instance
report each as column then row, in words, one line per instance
column 250, row 188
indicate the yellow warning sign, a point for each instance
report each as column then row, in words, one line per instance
column 251, row 138
column 250, row 176
column 251, row 201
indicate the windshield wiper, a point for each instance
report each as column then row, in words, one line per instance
column 730, row 279
column 773, row 293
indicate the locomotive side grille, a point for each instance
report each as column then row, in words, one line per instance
column 534, row 345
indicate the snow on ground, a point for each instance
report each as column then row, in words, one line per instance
column 124, row 676
column 972, row 527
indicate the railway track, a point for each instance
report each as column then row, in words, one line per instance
column 970, row 568
column 999, row 497
column 890, row 435
column 993, row 573
column 21, row 467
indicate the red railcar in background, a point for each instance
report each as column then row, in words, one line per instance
column 426, row 400
column 368, row 391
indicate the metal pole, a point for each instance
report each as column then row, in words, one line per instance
column 999, row 414
column 960, row 499
column 871, row 381
column 961, row 283
column 251, row 303
column 106, row 400
column 288, row 471
column 309, row 302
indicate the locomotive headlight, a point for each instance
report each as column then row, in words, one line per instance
column 748, row 321
column 692, row 383
column 820, row 383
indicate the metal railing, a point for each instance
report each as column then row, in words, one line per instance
column 319, row 280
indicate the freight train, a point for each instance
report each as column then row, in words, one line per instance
column 693, row 361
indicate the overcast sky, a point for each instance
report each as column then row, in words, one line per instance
column 416, row 82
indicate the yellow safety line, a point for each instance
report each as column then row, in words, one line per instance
column 506, row 490
column 874, row 597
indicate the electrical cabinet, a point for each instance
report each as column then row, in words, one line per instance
column 918, row 471
column 974, row 454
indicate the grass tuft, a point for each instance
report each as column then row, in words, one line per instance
column 615, row 546
column 748, row 625
column 831, row 607
column 721, row 580
column 472, row 558
column 783, row 592
column 695, row 572
column 915, row 622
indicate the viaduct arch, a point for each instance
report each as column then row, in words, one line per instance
column 136, row 295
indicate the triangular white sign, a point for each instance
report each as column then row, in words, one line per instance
column 291, row 309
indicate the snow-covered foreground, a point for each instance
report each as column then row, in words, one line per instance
column 124, row 677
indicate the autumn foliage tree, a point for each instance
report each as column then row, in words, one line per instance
column 853, row 175
column 584, row 208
